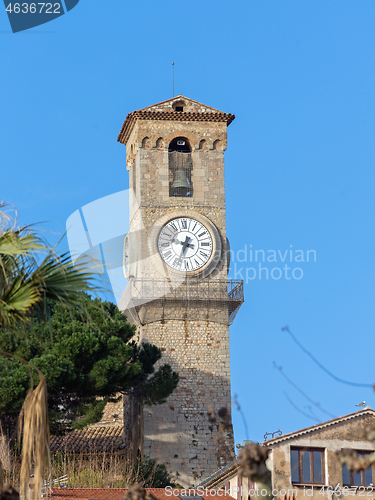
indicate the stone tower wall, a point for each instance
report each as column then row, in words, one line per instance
column 150, row 200
column 195, row 343
column 180, row 431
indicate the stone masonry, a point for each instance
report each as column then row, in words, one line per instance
column 181, row 432
column 343, row 433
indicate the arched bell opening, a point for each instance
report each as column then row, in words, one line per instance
column 180, row 168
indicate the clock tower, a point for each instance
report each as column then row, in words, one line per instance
column 176, row 258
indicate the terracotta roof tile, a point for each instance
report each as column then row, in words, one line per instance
column 328, row 423
column 92, row 439
column 118, row 494
column 187, row 100
column 172, row 116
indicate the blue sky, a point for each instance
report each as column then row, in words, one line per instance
column 299, row 76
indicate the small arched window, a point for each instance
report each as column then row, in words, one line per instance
column 179, row 106
column 203, row 145
column 217, row 145
column 146, row 143
column 180, row 167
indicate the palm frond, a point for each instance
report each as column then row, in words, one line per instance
column 16, row 301
column 27, row 284
column 17, row 243
column 58, row 280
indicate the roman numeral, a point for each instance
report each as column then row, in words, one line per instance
column 186, row 263
column 184, row 224
column 177, row 263
column 167, row 254
column 203, row 253
column 165, row 244
column 205, row 244
column 199, row 235
column 172, row 224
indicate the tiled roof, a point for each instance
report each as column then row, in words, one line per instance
column 168, row 103
column 220, row 477
column 195, row 112
column 96, row 438
column 118, row 494
column 171, row 116
column 323, row 425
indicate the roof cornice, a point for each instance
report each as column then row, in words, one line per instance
column 181, row 116
column 220, row 477
column 317, row 427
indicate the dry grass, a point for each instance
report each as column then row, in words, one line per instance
column 87, row 471
column 12, row 475
column 90, row 471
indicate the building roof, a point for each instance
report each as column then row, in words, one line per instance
column 220, row 477
column 95, row 438
column 195, row 111
column 323, row 425
column 168, row 104
column 118, row 494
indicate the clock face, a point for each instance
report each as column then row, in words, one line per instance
column 185, row 244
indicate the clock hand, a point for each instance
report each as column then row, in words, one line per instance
column 177, row 241
column 184, row 246
column 182, row 249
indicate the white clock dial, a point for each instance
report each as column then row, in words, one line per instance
column 185, row 244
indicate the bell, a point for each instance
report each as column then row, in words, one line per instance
column 180, row 185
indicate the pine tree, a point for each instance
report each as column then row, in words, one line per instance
column 87, row 358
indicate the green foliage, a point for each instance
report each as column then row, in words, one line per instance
column 92, row 413
column 14, row 379
column 162, row 383
column 154, row 475
column 84, row 357
column 32, row 273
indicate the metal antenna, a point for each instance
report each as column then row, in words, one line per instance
column 173, row 77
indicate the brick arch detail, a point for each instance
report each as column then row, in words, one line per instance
column 146, row 142
column 192, row 138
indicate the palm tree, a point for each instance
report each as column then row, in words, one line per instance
column 32, row 276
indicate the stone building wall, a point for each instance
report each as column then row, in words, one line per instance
column 345, row 435
column 180, row 431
